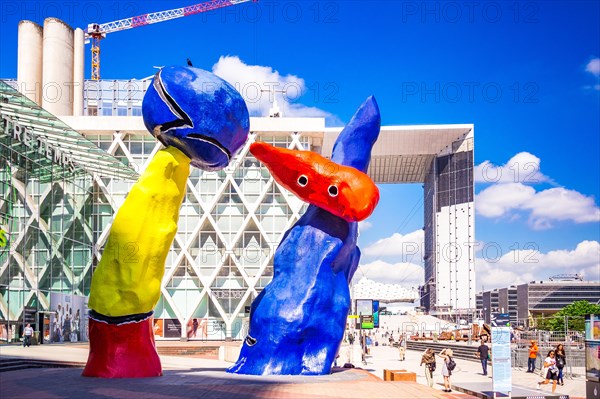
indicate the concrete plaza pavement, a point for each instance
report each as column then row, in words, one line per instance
column 199, row 377
column 467, row 373
column 191, row 377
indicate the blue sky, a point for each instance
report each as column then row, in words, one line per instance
column 526, row 74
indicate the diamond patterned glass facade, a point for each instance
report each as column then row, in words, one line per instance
column 51, row 213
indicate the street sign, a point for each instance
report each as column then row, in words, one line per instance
column 500, row 320
column 29, row 314
column 366, row 322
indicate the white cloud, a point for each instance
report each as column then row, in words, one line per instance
column 499, row 199
column 408, row 247
column 406, row 274
column 558, row 204
column 249, row 80
column 593, row 66
column 522, row 266
column 364, row 225
column 545, row 207
column 510, row 198
column 522, row 168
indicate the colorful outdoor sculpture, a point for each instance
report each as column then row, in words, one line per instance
column 202, row 120
column 297, row 322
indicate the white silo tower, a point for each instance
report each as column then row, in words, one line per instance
column 78, row 65
column 57, row 69
column 29, row 60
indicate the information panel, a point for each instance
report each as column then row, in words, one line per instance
column 501, row 360
column 364, row 307
column 592, row 348
column 366, row 322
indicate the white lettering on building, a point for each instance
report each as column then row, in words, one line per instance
column 27, row 136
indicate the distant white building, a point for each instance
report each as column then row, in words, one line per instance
column 386, row 293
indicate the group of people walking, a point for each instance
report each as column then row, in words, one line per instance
column 555, row 361
column 553, row 367
column 448, row 364
column 429, row 365
column 553, row 364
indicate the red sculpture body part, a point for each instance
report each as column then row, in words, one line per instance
column 342, row 190
column 122, row 350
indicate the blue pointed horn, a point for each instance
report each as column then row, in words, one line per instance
column 353, row 145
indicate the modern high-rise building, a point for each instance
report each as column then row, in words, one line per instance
column 449, row 220
column 231, row 221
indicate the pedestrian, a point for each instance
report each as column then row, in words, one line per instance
column 27, row 334
column 483, row 352
column 402, row 352
column 533, row 351
column 551, row 371
column 448, row 365
column 561, row 362
column 429, row 364
column 195, row 325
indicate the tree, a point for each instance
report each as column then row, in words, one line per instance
column 575, row 314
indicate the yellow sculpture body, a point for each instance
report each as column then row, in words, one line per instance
column 203, row 122
column 128, row 277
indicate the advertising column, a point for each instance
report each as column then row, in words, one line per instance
column 592, row 356
column 501, row 359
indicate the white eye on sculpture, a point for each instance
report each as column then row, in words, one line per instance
column 302, row 181
column 333, row 191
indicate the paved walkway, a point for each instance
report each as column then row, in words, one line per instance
column 187, row 377
column 466, row 372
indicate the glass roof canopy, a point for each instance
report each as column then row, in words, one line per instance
column 47, row 145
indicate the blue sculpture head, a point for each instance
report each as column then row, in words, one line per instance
column 198, row 113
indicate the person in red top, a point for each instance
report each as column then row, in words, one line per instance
column 533, row 351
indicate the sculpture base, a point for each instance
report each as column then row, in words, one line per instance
column 122, row 350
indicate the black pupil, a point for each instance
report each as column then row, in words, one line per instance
column 333, row 190
column 303, row 180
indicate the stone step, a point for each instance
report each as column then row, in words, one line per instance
column 188, row 350
column 18, row 366
column 12, row 364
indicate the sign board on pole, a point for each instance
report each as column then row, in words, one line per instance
column 376, row 314
column 363, row 307
column 500, row 320
column 29, row 315
column 501, row 354
column 366, row 322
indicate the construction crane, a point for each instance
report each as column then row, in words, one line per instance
column 96, row 32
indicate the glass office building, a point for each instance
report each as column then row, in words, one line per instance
column 49, row 216
column 525, row 302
